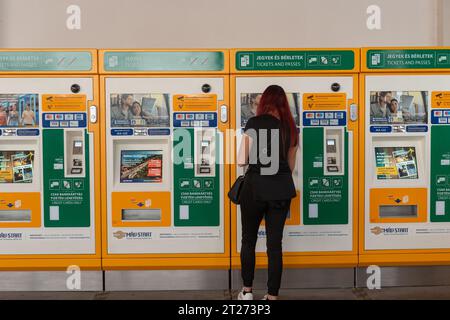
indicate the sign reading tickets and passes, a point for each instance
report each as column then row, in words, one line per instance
column 408, row 59
column 151, row 61
column 46, row 61
column 292, row 60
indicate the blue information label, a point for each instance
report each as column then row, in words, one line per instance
column 195, row 119
column 64, row 120
column 324, row 118
column 440, row 116
column 159, row 132
column 27, row 132
column 416, row 128
column 121, row 132
column 382, row 129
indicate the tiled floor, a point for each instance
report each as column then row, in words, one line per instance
column 290, row 294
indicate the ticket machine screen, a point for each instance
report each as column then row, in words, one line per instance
column 250, row 102
column 16, row 166
column 19, row 110
column 396, row 163
column 398, row 107
column 140, row 110
column 141, row 166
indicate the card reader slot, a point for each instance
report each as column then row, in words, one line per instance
column 15, row 215
column 141, row 214
column 403, row 211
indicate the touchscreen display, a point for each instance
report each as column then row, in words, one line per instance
column 16, row 166
column 141, row 166
column 396, row 163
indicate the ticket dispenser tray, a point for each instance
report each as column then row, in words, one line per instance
column 391, row 211
column 398, row 205
column 141, row 214
column 15, row 215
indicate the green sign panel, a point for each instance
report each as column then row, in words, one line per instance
column 164, row 61
column 325, row 197
column 196, row 198
column 440, row 175
column 294, row 60
column 66, row 200
column 408, row 59
column 45, row 61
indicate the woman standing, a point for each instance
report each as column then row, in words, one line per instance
column 3, row 117
column 267, row 192
column 28, row 117
column 13, row 117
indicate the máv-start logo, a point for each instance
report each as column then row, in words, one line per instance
column 132, row 235
column 389, row 231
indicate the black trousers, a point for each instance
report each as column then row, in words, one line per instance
column 252, row 212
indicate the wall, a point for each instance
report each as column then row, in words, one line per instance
column 214, row 23
column 446, row 22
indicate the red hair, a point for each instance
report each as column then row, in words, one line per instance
column 274, row 101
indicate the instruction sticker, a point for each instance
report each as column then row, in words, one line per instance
column 195, row 102
column 387, row 171
column 324, row 101
column 440, row 99
column 63, row 102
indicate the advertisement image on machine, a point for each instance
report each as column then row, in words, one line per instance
column 250, row 102
column 16, row 166
column 396, row 163
column 19, row 110
column 141, row 166
column 398, row 107
column 140, row 110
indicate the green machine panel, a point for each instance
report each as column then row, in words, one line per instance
column 440, row 174
column 196, row 197
column 325, row 197
column 66, row 197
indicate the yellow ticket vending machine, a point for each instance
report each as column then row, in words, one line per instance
column 165, row 214
column 49, row 170
column 405, row 183
column 322, row 89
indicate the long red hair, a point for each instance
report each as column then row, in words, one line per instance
column 274, row 101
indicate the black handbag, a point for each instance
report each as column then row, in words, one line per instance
column 235, row 191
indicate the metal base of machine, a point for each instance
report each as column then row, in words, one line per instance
column 154, row 280
column 50, row 281
column 301, row 278
column 407, row 276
